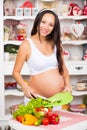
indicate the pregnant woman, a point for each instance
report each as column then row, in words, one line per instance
column 43, row 53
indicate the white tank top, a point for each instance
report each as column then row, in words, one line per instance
column 38, row 62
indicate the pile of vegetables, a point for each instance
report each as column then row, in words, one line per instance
column 39, row 111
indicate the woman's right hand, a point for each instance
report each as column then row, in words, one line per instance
column 28, row 91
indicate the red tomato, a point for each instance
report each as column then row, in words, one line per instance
column 19, row 118
column 37, row 109
column 45, row 121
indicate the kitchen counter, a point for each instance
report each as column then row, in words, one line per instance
column 68, row 121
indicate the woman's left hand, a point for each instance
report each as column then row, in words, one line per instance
column 68, row 89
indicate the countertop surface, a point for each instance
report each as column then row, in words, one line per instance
column 68, row 121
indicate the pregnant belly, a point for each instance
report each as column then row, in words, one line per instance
column 48, row 83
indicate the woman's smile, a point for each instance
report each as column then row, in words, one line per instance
column 44, row 31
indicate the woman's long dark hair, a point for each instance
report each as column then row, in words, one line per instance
column 55, row 35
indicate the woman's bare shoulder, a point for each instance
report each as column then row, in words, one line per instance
column 24, row 49
column 25, row 45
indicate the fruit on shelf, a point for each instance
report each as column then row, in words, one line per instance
column 19, row 37
column 10, row 85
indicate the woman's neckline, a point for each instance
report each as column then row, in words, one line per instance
column 49, row 55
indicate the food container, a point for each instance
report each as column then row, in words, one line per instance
column 27, row 11
column 13, row 108
column 80, row 86
column 78, row 108
column 19, row 11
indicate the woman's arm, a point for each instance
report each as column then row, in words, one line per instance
column 22, row 56
column 66, row 76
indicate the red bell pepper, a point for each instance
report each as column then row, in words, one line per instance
column 53, row 118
